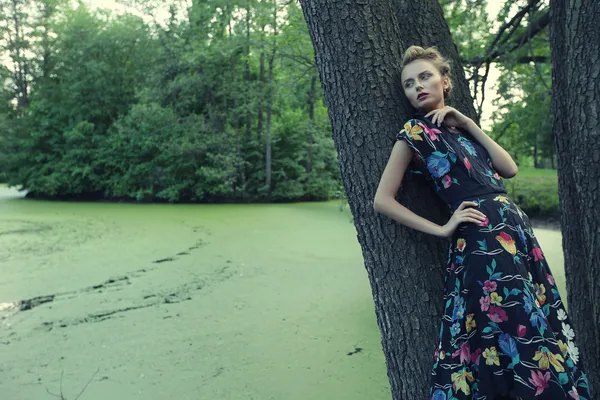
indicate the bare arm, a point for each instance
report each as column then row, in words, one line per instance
column 391, row 179
column 501, row 160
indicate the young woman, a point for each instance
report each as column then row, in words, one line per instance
column 504, row 333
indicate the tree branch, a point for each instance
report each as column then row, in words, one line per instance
column 495, row 50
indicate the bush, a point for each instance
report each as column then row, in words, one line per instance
column 535, row 191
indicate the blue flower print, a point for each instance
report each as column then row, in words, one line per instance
column 527, row 303
column 459, row 308
column 522, row 235
column 508, row 345
column 538, row 319
column 437, row 164
column 455, row 329
column 439, row 395
column 466, row 143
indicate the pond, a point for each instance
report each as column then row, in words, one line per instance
column 148, row 301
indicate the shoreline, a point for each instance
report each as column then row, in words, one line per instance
column 545, row 223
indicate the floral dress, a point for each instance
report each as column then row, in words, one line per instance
column 504, row 329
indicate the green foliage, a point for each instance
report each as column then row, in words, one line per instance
column 522, row 121
column 536, row 191
column 125, row 109
column 150, row 155
column 184, row 110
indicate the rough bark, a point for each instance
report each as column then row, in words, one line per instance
column 575, row 53
column 358, row 48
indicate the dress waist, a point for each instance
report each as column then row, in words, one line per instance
column 455, row 203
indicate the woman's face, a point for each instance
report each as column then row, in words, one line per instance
column 424, row 85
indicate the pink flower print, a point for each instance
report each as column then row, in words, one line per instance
column 537, row 254
column 497, row 314
column 464, row 352
column 539, row 381
column 521, row 330
column 485, row 303
column 452, row 267
column 573, row 393
column 475, row 356
column 490, row 286
column 431, row 132
column 496, row 176
column 550, row 279
column 447, row 181
column 467, row 163
column 485, row 222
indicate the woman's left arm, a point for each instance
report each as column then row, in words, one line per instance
column 501, row 160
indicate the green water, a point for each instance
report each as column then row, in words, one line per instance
column 189, row 302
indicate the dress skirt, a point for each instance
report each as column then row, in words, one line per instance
column 504, row 330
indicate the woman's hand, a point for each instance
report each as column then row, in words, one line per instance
column 449, row 116
column 462, row 214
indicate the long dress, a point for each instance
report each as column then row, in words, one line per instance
column 504, row 331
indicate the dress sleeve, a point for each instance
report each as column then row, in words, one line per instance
column 421, row 138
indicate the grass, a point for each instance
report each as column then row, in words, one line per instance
column 536, row 191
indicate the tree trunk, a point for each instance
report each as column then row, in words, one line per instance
column 261, row 89
column 21, row 71
column 312, row 97
column 270, row 103
column 248, row 76
column 535, row 151
column 238, row 188
column 358, row 49
column 575, row 50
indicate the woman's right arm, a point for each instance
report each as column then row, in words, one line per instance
column 385, row 198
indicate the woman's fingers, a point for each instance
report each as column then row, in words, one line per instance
column 438, row 118
column 478, row 214
column 466, row 203
column 472, row 213
column 442, row 117
column 471, row 219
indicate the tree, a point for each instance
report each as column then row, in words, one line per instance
column 358, row 48
column 575, row 53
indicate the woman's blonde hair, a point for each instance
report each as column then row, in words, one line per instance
column 432, row 55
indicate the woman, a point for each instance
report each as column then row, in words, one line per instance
column 504, row 333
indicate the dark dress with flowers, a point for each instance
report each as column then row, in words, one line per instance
column 504, row 330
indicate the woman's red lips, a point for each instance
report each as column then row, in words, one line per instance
column 421, row 95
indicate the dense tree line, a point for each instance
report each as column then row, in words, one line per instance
column 220, row 102
column 222, row 105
